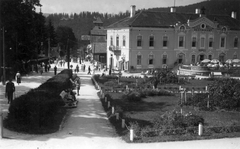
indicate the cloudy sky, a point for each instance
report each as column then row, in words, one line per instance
column 109, row 6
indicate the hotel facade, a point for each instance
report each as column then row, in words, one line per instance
column 148, row 39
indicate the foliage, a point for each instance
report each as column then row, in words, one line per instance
column 170, row 123
column 132, row 96
column 36, row 110
column 24, row 30
column 225, row 93
column 65, row 38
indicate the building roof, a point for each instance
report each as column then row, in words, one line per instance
column 168, row 20
column 99, row 47
column 99, row 30
column 98, row 21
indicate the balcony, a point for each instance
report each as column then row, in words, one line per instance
column 115, row 49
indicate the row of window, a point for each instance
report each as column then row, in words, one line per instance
column 181, row 41
column 180, row 57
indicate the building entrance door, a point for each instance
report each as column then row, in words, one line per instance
column 201, row 57
column 181, row 58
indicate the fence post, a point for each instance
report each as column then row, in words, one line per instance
column 200, row 129
column 185, row 95
column 117, row 116
column 1, row 124
column 208, row 104
column 105, row 99
column 131, row 135
column 123, row 123
column 113, row 110
column 192, row 93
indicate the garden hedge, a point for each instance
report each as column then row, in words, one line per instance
column 37, row 110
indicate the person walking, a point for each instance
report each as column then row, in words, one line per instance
column 10, row 89
column 18, row 77
column 84, row 67
column 89, row 70
column 55, row 70
column 77, row 82
column 77, row 68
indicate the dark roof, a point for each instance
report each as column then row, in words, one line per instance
column 167, row 20
column 100, row 47
column 98, row 30
column 98, row 21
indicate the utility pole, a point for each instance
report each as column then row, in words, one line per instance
column 4, row 67
column 49, row 44
column 68, row 55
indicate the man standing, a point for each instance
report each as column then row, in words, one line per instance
column 55, row 70
column 78, row 84
column 10, row 88
column 89, row 70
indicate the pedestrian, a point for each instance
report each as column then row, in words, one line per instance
column 18, row 77
column 77, row 68
column 41, row 70
column 49, row 66
column 89, row 70
column 10, row 89
column 84, row 67
column 77, row 82
column 55, row 70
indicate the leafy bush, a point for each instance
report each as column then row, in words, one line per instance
column 35, row 111
column 111, row 83
column 132, row 96
column 223, row 94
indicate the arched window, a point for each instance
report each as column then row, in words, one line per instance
column 165, row 41
column 117, row 41
column 139, row 59
column 235, row 44
column 164, row 59
column 222, row 57
column 150, row 59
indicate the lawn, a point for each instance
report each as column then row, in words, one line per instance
column 149, row 108
column 145, row 111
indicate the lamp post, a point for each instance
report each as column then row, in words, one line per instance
column 110, row 67
column 4, row 67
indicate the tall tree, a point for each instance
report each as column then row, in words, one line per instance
column 65, row 38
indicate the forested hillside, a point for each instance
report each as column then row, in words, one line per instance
column 82, row 23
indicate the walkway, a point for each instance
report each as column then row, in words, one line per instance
column 87, row 127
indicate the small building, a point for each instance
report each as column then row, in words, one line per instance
column 98, row 41
column 151, row 40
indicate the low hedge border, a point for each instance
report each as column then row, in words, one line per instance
column 40, row 110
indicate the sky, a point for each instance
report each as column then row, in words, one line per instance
column 106, row 6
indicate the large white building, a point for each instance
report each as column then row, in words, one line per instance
column 158, row 39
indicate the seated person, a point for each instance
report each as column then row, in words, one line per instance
column 68, row 95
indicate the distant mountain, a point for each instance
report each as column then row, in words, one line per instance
column 222, row 7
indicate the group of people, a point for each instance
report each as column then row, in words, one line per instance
column 68, row 95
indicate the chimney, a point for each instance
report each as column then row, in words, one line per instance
column 132, row 10
column 234, row 15
column 173, row 9
column 197, row 11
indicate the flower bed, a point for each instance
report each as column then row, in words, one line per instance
column 157, row 118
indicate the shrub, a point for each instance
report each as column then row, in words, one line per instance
column 35, row 111
column 111, row 83
column 132, row 96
